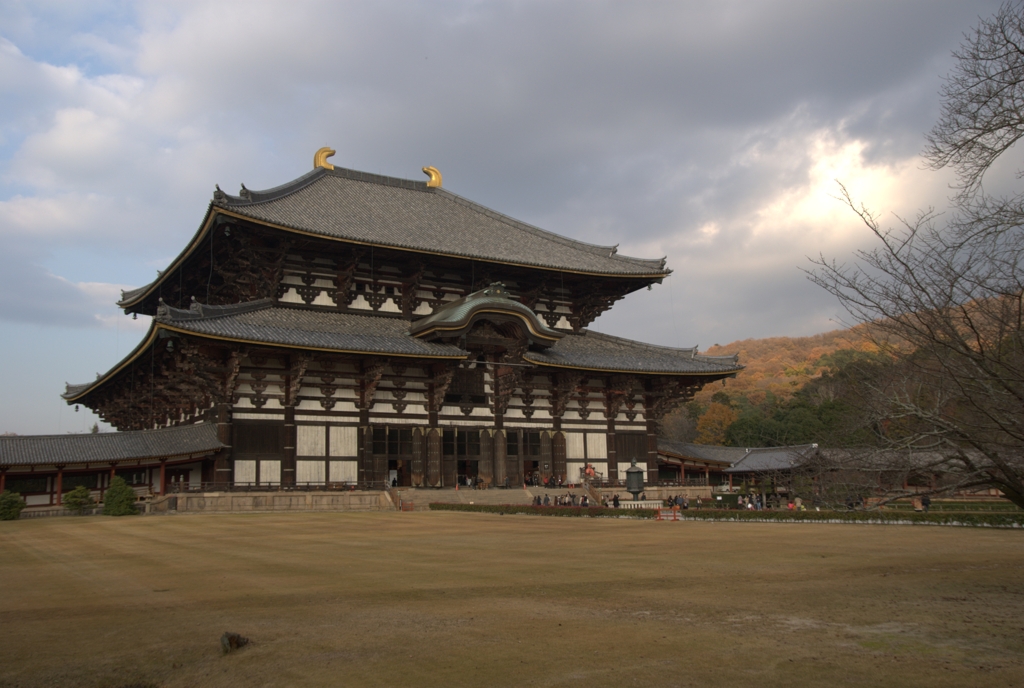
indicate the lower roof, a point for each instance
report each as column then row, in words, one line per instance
column 103, row 447
column 269, row 323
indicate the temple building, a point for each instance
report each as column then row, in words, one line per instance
column 351, row 328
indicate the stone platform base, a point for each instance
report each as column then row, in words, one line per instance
column 201, row 502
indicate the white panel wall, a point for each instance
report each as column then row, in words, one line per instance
column 597, row 445
column 311, row 440
column 344, row 442
column 344, row 471
column 270, row 472
column 574, row 445
column 574, row 471
column 245, row 472
column 309, row 472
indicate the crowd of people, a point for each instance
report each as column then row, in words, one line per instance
column 568, row 499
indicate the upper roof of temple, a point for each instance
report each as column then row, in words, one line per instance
column 405, row 214
column 401, row 214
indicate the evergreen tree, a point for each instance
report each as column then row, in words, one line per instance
column 11, row 505
column 119, row 499
column 78, row 500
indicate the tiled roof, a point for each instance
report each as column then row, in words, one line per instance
column 102, row 447
column 595, row 351
column 267, row 322
column 261, row 321
column 772, row 458
column 400, row 213
column 702, row 452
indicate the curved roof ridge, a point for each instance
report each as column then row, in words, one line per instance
column 279, row 191
column 692, row 350
column 202, row 311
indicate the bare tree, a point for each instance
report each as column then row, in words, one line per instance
column 945, row 295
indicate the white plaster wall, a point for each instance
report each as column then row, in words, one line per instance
column 344, row 471
column 597, row 445
column 309, row 472
column 245, row 472
column 574, row 447
column 291, row 296
column 270, row 472
column 311, row 440
column 323, row 299
column 344, row 441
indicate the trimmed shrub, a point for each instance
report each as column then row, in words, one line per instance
column 11, row 505
column 78, row 500
column 119, row 499
column 991, row 520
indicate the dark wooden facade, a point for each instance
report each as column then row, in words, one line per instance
column 286, row 340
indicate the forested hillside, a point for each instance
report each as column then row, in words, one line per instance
column 793, row 390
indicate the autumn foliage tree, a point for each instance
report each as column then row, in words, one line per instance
column 713, row 424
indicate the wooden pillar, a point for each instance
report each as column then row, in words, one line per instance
column 613, row 453
column 546, row 454
column 485, row 466
column 288, row 464
column 3, row 479
column 652, row 452
column 110, row 479
column 558, row 466
column 500, row 457
column 433, row 449
column 450, row 465
column 418, row 456
column 707, row 476
column 365, row 476
column 163, row 476
column 59, row 484
column 223, row 463
column 380, row 465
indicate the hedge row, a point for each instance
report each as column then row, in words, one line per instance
column 991, row 520
column 585, row 511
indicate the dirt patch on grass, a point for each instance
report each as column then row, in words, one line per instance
column 443, row 599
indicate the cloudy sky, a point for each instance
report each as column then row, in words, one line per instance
column 711, row 133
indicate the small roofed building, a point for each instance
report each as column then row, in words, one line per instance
column 770, row 468
column 684, row 463
column 43, row 467
column 353, row 329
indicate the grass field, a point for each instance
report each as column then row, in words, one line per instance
column 448, row 599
